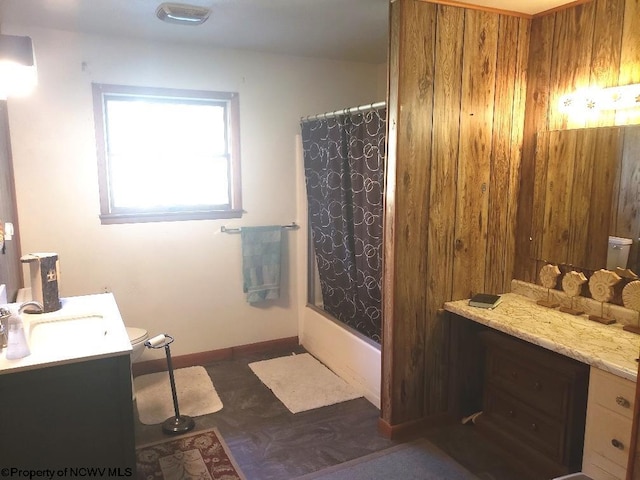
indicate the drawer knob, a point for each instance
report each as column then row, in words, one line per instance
column 534, row 427
column 618, row 444
column 623, row 402
column 537, row 386
column 510, row 413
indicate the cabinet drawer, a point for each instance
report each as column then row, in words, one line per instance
column 540, row 388
column 608, row 472
column 541, row 433
column 608, row 434
column 612, row 392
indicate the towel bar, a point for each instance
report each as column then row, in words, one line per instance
column 291, row 226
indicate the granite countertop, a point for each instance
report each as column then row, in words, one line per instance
column 607, row 347
column 85, row 328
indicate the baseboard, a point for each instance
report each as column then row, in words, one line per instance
column 412, row 429
column 204, row 358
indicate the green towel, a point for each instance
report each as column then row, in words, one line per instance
column 261, row 262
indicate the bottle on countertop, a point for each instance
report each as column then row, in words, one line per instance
column 17, row 346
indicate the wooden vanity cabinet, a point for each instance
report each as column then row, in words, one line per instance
column 78, row 415
column 608, row 428
column 534, row 404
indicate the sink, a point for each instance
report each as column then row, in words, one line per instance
column 67, row 332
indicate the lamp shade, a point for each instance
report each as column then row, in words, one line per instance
column 18, row 76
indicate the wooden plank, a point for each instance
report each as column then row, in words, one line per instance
column 442, row 191
column 580, row 199
column 414, row 126
column 536, row 116
column 605, row 55
column 498, row 224
column 517, row 136
column 389, row 243
column 630, row 58
column 539, row 194
column 499, row 200
column 571, row 63
column 477, row 107
column 606, row 156
column 557, row 208
column 628, row 218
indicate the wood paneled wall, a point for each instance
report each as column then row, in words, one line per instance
column 456, row 115
column 593, row 44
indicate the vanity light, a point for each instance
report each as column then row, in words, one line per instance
column 18, row 75
column 590, row 101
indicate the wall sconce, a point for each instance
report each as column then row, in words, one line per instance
column 591, row 101
column 18, row 75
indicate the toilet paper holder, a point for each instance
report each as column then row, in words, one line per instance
column 178, row 423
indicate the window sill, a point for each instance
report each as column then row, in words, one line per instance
column 115, row 218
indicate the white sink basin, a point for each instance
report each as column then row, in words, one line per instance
column 85, row 328
column 67, row 332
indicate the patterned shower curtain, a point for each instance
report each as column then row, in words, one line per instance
column 344, row 170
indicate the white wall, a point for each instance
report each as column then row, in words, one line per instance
column 182, row 278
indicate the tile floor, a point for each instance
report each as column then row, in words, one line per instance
column 270, row 443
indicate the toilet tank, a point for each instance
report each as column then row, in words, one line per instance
column 618, row 252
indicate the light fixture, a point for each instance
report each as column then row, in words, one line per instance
column 593, row 100
column 18, row 75
column 182, row 14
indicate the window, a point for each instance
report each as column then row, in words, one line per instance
column 166, row 154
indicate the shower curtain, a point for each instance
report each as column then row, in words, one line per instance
column 344, row 172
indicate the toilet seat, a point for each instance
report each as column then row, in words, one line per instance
column 137, row 335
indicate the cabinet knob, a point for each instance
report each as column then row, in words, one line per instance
column 534, row 427
column 537, row 386
column 514, row 374
column 617, row 443
column 623, row 402
column 510, row 413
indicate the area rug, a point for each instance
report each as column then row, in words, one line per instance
column 303, row 383
column 202, row 455
column 196, row 395
column 418, row 460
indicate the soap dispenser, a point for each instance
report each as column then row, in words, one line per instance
column 17, row 346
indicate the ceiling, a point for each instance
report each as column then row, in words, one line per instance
column 351, row 30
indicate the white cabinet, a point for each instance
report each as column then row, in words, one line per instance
column 608, row 426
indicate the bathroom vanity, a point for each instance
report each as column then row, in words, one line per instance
column 543, row 370
column 68, row 404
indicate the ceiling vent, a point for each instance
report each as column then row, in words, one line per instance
column 182, row 14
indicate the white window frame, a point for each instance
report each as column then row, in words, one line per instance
column 110, row 214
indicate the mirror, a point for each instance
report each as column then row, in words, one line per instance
column 587, row 188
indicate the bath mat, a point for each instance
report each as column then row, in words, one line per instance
column 196, row 395
column 302, row 383
column 202, row 454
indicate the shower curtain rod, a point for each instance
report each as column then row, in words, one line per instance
column 344, row 111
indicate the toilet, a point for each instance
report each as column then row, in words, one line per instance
column 137, row 337
column 618, row 252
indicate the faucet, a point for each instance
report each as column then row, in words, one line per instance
column 39, row 308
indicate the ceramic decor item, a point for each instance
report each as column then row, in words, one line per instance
column 572, row 286
column 631, row 300
column 601, row 286
column 549, row 279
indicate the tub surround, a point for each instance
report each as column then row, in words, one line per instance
column 112, row 343
column 607, row 347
